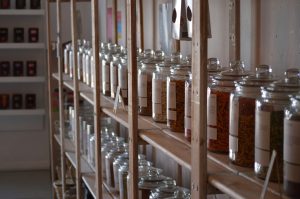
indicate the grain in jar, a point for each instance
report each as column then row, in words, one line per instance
column 175, row 97
column 145, row 83
column 114, row 75
column 123, row 79
column 218, row 106
column 269, row 124
column 242, row 116
column 291, row 149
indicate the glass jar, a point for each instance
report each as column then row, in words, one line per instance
column 109, row 158
column 269, row 127
column 118, row 162
column 213, row 68
column 218, row 95
column 159, row 87
column 71, row 65
column 67, row 58
column 88, row 71
column 79, row 59
column 145, row 83
column 114, row 75
column 123, row 79
column 106, row 74
column 291, row 149
column 152, row 180
column 188, row 108
column 175, row 97
column 92, row 68
column 123, row 173
column 165, row 191
column 90, row 144
column 242, row 116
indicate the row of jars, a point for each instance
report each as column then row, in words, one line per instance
column 248, row 116
column 115, row 166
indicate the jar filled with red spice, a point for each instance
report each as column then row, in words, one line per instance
column 242, row 116
column 218, row 106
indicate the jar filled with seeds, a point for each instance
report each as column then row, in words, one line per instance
column 123, row 79
column 218, row 106
column 242, row 116
column 106, row 74
column 114, row 75
column 145, row 82
column 175, row 97
column 291, row 149
column 188, row 108
column 269, row 125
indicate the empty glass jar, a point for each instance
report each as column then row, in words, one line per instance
column 123, row 79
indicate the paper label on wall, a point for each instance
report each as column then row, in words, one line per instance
column 212, row 133
column 142, row 102
column 171, row 95
column 187, row 123
column 212, row 110
column 157, row 108
column 262, row 157
column 291, row 144
column 156, row 90
column 142, row 85
column 234, row 117
column 262, row 129
column 171, row 115
column 187, row 102
column 292, row 172
column 233, row 143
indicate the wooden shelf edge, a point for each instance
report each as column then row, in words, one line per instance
column 69, row 145
column 85, row 167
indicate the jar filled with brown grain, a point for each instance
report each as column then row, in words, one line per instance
column 159, row 87
column 269, row 125
column 175, row 97
column 242, row 116
column 218, row 106
column 145, row 82
column 291, row 149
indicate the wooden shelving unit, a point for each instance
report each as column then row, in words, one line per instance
column 205, row 167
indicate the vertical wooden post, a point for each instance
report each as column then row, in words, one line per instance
column 199, row 100
column 76, row 97
column 50, row 99
column 141, row 16
column 61, row 96
column 258, row 28
column 115, row 20
column 234, row 30
column 97, row 98
column 133, row 100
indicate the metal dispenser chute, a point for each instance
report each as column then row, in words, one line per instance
column 179, row 21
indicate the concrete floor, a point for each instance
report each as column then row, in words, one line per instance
column 25, row 185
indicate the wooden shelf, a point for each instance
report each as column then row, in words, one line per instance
column 23, row 112
column 85, row 167
column 22, row 79
column 69, row 145
column 22, row 12
column 22, row 46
